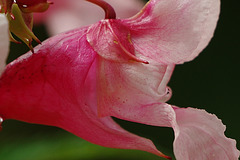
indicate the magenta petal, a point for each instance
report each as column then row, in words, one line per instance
column 57, row 86
column 200, row 135
column 173, row 31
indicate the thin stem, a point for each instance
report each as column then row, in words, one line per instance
column 109, row 11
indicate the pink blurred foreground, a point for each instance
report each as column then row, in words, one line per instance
column 67, row 15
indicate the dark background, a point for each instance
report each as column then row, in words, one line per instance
column 210, row 82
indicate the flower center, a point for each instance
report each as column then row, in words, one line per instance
column 108, row 9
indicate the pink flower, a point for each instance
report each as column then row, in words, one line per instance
column 4, row 43
column 67, row 15
column 120, row 67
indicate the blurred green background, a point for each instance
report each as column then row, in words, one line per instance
column 209, row 82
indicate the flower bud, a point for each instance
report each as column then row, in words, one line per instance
column 20, row 28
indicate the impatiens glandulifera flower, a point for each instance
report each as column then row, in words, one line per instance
column 67, row 15
column 19, row 14
column 4, row 41
column 120, row 67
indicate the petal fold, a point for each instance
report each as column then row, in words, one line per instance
column 112, row 41
column 173, row 31
column 128, row 88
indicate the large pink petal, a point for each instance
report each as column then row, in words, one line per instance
column 173, row 31
column 4, row 41
column 57, row 86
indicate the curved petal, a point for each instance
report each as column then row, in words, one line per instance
column 173, row 31
column 57, row 86
column 4, row 41
column 200, row 135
